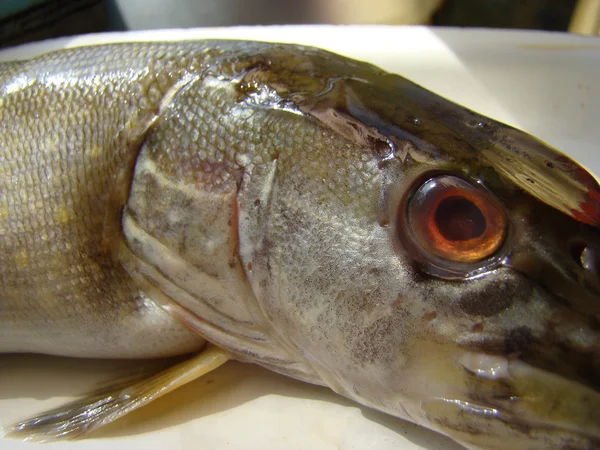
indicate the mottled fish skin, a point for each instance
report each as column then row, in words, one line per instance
column 257, row 194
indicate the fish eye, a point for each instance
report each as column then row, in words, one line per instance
column 453, row 220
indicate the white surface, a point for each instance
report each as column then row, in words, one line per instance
column 546, row 84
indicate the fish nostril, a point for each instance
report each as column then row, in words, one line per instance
column 589, row 259
column 586, row 256
column 576, row 249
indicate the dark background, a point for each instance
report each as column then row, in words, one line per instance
column 53, row 18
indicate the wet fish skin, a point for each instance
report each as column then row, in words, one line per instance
column 255, row 192
column 69, row 133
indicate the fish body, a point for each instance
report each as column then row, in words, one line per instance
column 309, row 213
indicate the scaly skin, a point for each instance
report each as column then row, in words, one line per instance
column 257, row 193
column 71, row 125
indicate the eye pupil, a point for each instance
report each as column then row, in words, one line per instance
column 459, row 219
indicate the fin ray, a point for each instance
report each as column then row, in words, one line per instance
column 80, row 417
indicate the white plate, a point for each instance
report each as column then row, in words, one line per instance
column 545, row 83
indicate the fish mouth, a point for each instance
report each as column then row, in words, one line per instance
column 512, row 404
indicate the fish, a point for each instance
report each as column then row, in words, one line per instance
column 293, row 208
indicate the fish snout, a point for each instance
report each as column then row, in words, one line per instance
column 531, row 379
column 561, row 255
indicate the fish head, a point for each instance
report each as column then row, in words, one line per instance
column 424, row 260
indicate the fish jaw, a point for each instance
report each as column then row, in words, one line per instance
column 542, row 410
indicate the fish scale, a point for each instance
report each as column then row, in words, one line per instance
column 80, row 163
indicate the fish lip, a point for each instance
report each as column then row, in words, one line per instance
column 514, row 432
column 571, row 351
column 519, row 409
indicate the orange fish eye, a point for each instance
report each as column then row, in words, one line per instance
column 452, row 219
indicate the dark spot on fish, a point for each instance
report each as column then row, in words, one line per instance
column 595, row 323
column 354, row 125
column 429, row 316
column 518, row 340
column 152, row 187
column 250, row 266
column 576, row 248
column 549, row 165
column 529, row 180
column 374, row 271
column 257, row 202
column 481, row 391
column 477, row 328
column 371, row 343
column 384, row 223
column 458, row 424
column 380, row 147
column 493, row 297
column 382, row 164
column 398, row 302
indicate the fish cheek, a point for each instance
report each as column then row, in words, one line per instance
column 382, row 341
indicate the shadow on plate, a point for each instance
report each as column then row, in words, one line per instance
column 230, row 386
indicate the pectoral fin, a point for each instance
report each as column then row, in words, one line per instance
column 77, row 419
